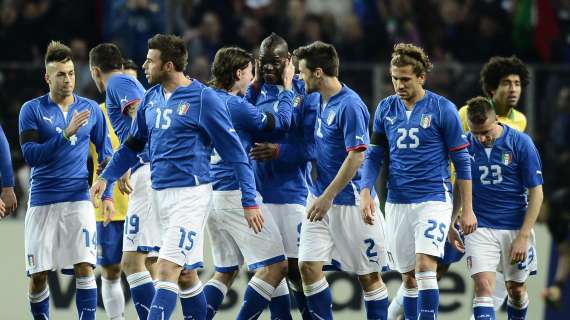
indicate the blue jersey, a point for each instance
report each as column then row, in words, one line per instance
column 419, row 143
column 6, row 172
column 123, row 91
column 501, row 176
column 342, row 126
column 248, row 120
column 59, row 166
column 284, row 180
column 181, row 132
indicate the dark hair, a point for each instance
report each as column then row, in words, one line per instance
column 479, row 109
column 499, row 67
column 319, row 55
column 407, row 54
column 106, row 56
column 129, row 64
column 172, row 48
column 226, row 63
column 274, row 40
column 57, row 52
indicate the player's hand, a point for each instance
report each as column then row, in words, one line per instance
column 2, row 209
column 455, row 240
column 124, row 183
column 254, row 219
column 97, row 191
column 9, row 199
column 519, row 249
column 77, row 120
column 367, row 206
column 288, row 74
column 108, row 209
column 258, row 78
column 468, row 222
column 264, row 151
column 319, row 208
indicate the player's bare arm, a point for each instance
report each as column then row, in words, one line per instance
column 367, row 206
column 9, row 198
column 453, row 235
column 254, row 219
column 468, row 221
column 347, row 171
column 124, row 183
column 519, row 248
column 97, row 190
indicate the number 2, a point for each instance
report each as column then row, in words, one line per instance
column 412, row 133
column 370, row 252
column 496, row 174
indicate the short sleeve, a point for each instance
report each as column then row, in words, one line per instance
column 354, row 121
column 454, row 137
column 530, row 164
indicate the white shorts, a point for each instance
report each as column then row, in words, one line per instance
column 488, row 250
column 232, row 240
column 288, row 218
column 343, row 238
column 183, row 213
column 60, row 235
column 416, row 228
column 142, row 225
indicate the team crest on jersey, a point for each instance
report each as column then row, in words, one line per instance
column 330, row 117
column 506, row 158
column 183, row 108
column 425, row 122
column 31, row 261
column 297, row 101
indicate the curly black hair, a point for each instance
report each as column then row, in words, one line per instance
column 499, row 67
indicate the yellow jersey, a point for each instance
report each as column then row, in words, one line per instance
column 120, row 200
column 515, row 119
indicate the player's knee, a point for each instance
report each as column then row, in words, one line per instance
column 483, row 286
column 516, row 290
column 370, row 281
column 310, row 271
column 188, row 279
column 227, row 278
column 441, row 270
column 111, row 272
column 83, row 269
column 132, row 262
column 38, row 280
column 425, row 263
column 409, row 280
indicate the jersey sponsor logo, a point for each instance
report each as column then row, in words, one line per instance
column 183, row 108
column 50, row 120
column 124, row 100
column 425, row 122
column 472, row 156
column 361, row 138
column 506, row 158
column 390, row 120
column 330, row 117
column 297, row 101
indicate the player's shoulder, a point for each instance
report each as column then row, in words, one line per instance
column 518, row 139
column 35, row 103
column 439, row 102
column 83, row 101
column 350, row 99
column 463, row 111
column 123, row 80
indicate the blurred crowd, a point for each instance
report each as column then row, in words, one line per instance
column 455, row 33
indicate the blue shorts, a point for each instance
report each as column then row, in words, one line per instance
column 109, row 243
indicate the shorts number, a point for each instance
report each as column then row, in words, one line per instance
column 299, row 233
column 496, row 174
column 370, row 252
column 434, row 225
column 160, row 116
column 132, row 224
column 412, row 133
column 89, row 240
column 184, row 235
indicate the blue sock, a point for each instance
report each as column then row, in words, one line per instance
column 193, row 301
column 410, row 303
column 86, row 297
column 376, row 303
column 516, row 310
column 142, row 292
column 39, row 304
column 215, row 291
column 164, row 301
column 428, row 297
column 301, row 302
column 483, row 308
column 280, row 305
column 256, row 298
column 319, row 299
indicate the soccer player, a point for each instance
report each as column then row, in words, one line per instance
column 232, row 242
column 333, row 224
column 60, row 229
column 507, row 195
column 141, row 234
column 422, row 131
column 7, row 195
column 181, row 119
column 282, row 161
